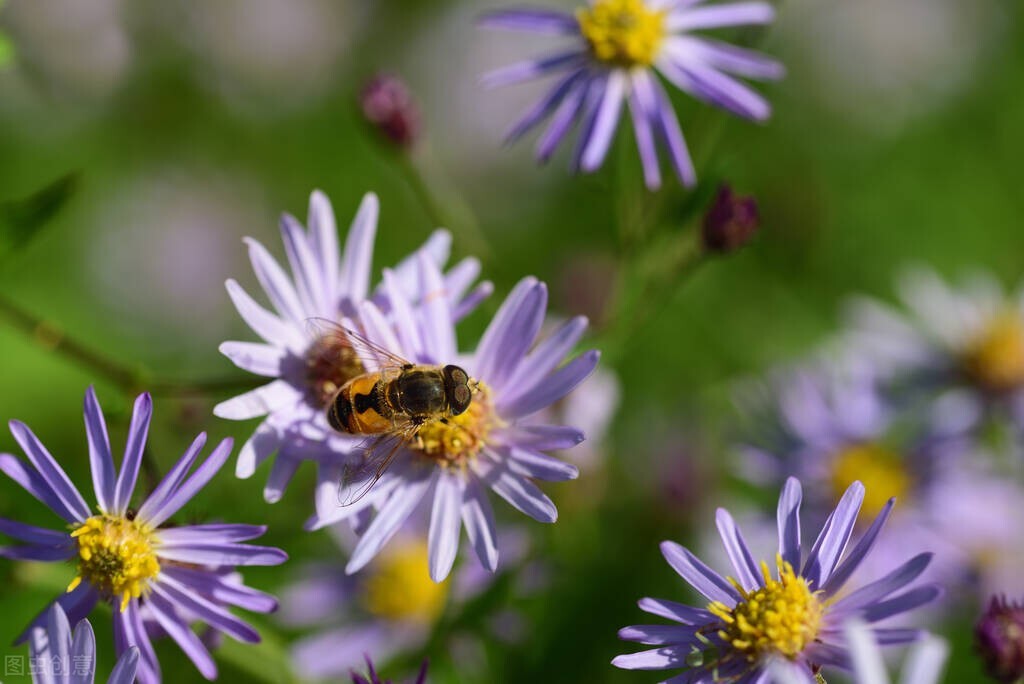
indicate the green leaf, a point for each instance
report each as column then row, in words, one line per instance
column 21, row 220
column 6, row 50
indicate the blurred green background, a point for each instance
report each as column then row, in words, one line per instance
column 895, row 139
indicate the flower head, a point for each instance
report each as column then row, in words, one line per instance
column 999, row 636
column 305, row 366
column 61, row 657
column 730, row 222
column 789, row 621
column 449, row 465
column 618, row 47
column 388, row 106
column 158, row 578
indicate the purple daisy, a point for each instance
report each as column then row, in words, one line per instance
column 452, row 464
column 60, row 657
column 788, row 626
column 618, row 47
column 306, row 368
column 158, row 578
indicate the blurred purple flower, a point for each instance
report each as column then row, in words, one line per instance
column 965, row 345
column 515, row 377
column 730, row 222
column 388, row 608
column 618, row 46
column 786, row 627
column 62, row 658
column 155, row 578
column 305, row 369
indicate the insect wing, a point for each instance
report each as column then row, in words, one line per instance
column 365, row 349
column 370, row 461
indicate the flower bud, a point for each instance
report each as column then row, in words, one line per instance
column 388, row 105
column 730, row 222
column 999, row 636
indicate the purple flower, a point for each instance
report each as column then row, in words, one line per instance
column 60, row 657
column 157, row 578
column 307, row 368
column 617, row 47
column 791, row 624
column 515, row 375
column 999, row 636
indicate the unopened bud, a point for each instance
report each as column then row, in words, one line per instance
column 388, row 106
column 999, row 635
column 730, row 222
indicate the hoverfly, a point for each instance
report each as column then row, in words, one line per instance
column 389, row 405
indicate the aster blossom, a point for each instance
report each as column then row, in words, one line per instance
column 619, row 48
column 157, row 578
column 62, row 657
column 449, row 465
column 304, row 370
column 787, row 626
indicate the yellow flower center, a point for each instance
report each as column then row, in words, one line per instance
column 399, row 586
column 880, row 469
column 995, row 358
column 330, row 363
column 458, row 439
column 116, row 556
column 780, row 618
column 623, row 33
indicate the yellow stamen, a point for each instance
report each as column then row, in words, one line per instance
column 995, row 358
column 880, row 469
column 623, row 33
column 116, row 556
column 399, row 586
column 461, row 437
column 780, row 618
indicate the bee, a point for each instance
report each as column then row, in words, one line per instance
column 389, row 406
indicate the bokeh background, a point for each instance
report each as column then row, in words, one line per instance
column 185, row 125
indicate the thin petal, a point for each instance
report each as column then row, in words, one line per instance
column 522, row 494
column 138, row 431
column 100, row 458
column 34, row 535
column 305, row 268
column 76, row 604
column 217, row 617
column 493, row 338
column 31, row 482
column 532, row 20
column 604, row 125
column 698, row 575
column 530, row 69
column 275, row 283
column 879, row 589
column 255, row 357
column 926, row 661
column 257, row 449
column 323, row 237
column 438, row 331
column 478, row 517
column 530, row 463
column 542, row 437
column 720, row 16
column 257, row 402
column 670, row 610
column 56, row 479
column 219, row 532
column 789, row 522
column 563, row 119
column 668, row 127
column 83, row 655
column 834, row 535
column 395, row 511
column 358, row 257
column 903, row 603
column 726, row 57
column 126, row 667
column 130, row 631
column 662, row 658
column 163, row 610
column 539, row 363
column 172, row 503
column 559, row 384
column 223, row 589
column 657, row 634
column 265, row 324
column 445, row 526
column 739, row 554
column 845, row 570
column 547, row 104
column 644, row 133
column 220, row 554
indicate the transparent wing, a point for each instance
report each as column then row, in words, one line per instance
column 370, row 461
column 365, row 349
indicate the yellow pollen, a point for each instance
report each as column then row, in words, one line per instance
column 995, row 358
column 623, row 33
column 459, row 439
column 399, row 586
column 780, row 618
column 880, row 469
column 116, row 556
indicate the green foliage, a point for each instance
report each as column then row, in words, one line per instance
column 22, row 220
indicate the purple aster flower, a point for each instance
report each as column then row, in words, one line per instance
column 388, row 608
column 999, row 637
column 450, row 465
column 789, row 625
column 617, row 48
column 964, row 344
column 306, row 367
column 924, row 665
column 60, row 657
column 157, row 578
